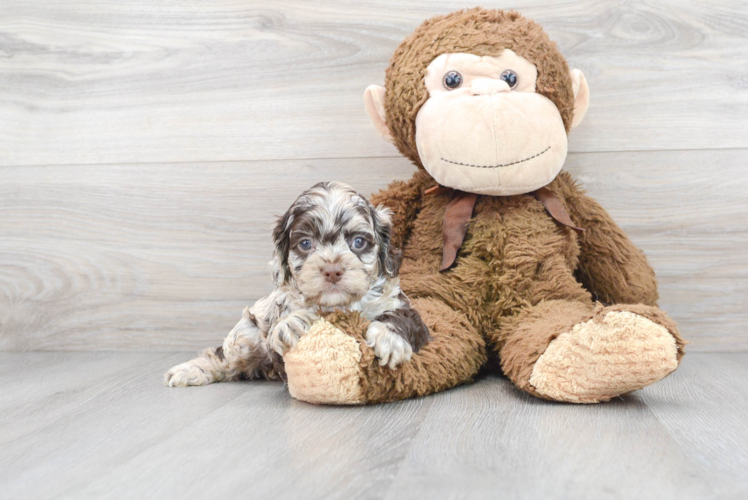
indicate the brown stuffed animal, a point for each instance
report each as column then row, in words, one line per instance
column 502, row 252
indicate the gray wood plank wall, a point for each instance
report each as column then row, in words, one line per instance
column 144, row 149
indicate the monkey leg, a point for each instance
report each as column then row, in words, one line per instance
column 580, row 353
column 333, row 365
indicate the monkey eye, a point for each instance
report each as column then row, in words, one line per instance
column 452, row 80
column 305, row 244
column 359, row 243
column 510, row 77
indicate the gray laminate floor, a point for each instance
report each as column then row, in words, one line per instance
column 100, row 425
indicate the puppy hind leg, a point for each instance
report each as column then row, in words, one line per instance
column 247, row 354
column 242, row 355
column 208, row 367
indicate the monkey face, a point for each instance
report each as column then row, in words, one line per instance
column 484, row 129
column 492, row 113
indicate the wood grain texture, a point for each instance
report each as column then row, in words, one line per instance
column 100, row 425
column 145, row 257
column 120, row 433
column 105, row 81
column 494, row 442
column 705, row 413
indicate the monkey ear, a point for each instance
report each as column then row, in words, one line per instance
column 374, row 103
column 581, row 96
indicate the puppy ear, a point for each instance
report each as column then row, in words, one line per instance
column 389, row 257
column 282, row 241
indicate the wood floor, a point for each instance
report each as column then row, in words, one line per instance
column 100, row 425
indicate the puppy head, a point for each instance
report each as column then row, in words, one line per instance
column 332, row 244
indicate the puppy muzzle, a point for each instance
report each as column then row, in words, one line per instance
column 333, row 280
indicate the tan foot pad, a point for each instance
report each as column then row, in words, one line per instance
column 598, row 360
column 323, row 368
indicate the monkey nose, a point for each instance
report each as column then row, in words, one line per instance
column 332, row 272
column 488, row 86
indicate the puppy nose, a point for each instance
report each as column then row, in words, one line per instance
column 488, row 86
column 332, row 272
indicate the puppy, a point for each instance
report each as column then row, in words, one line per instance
column 332, row 250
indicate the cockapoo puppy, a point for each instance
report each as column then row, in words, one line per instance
column 332, row 250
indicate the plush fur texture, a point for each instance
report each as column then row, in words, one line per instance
column 324, row 367
column 482, row 32
column 512, row 292
column 611, row 354
column 523, row 287
column 454, row 354
column 517, row 262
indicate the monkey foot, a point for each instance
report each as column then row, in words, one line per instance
column 612, row 354
column 323, row 368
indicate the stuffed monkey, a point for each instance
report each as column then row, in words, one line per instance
column 504, row 255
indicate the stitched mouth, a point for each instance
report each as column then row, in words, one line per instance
column 499, row 165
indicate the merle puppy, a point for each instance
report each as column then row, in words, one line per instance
column 332, row 250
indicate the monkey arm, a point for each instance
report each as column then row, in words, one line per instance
column 610, row 266
column 403, row 198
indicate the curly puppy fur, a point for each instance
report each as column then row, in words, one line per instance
column 332, row 251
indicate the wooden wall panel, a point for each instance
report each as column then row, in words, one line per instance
column 146, row 256
column 106, row 81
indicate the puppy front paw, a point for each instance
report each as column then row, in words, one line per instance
column 286, row 333
column 391, row 349
column 187, row 374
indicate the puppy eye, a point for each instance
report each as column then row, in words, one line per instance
column 510, row 77
column 359, row 243
column 305, row 244
column 452, row 80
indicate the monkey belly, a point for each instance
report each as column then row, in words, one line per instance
column 514, row 256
